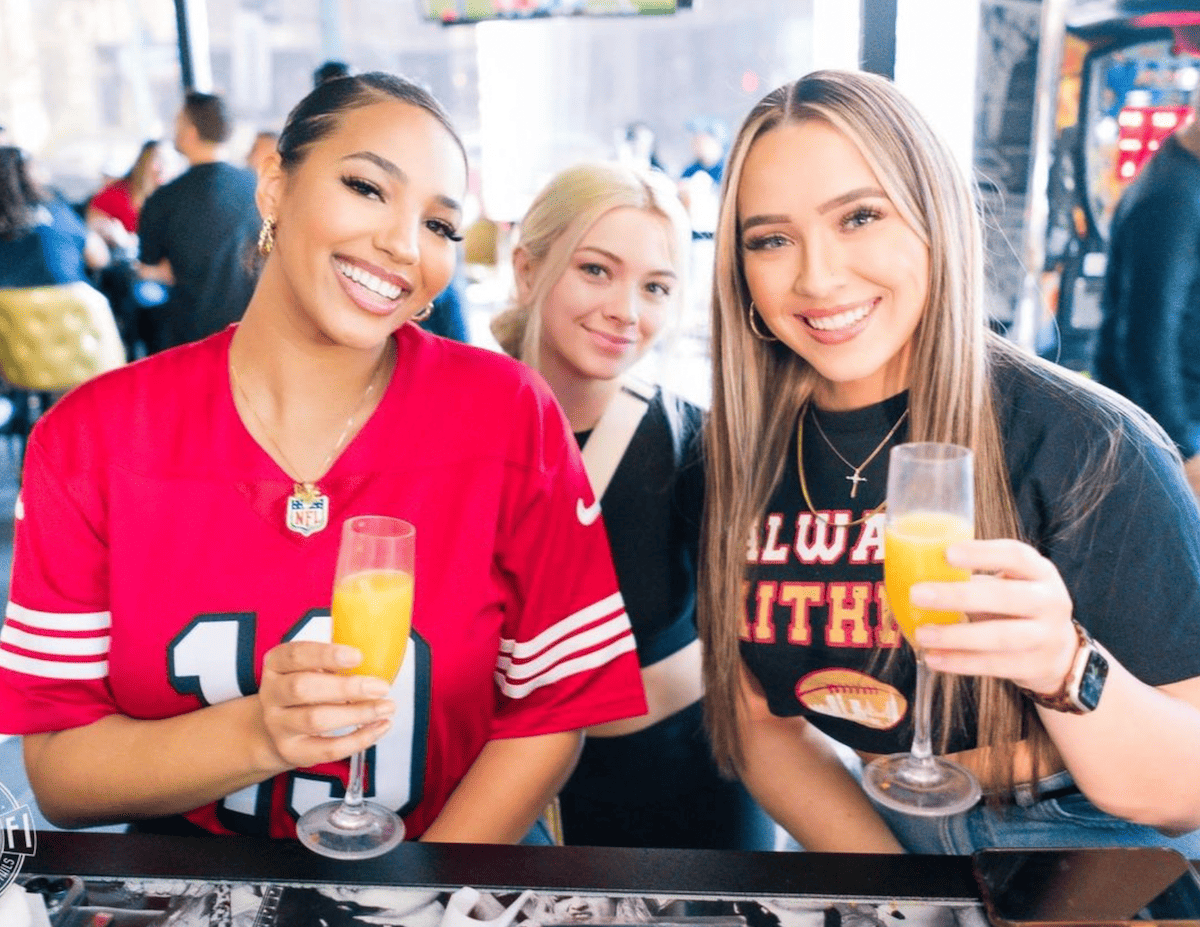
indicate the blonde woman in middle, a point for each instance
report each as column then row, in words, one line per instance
column 599, row 269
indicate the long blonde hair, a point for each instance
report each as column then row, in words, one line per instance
column 759, row 388
column 141, row 177
column 556, row 222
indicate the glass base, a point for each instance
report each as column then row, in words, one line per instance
column 935, row 787
column 341, row 832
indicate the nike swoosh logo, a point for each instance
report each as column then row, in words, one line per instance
column 587, row 514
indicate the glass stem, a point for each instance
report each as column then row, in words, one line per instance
column 922, row 713
column 354, row 789
column 350, row 815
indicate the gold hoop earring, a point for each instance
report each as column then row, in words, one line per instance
column 422, row 314
column 266, row 236
column 750, row 314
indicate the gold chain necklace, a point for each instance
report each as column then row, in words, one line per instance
column 855, row 479
column 307, row 510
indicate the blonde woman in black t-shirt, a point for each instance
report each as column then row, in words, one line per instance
column 599, row 269
column 848, row 316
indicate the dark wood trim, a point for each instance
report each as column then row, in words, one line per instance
column 676, row 872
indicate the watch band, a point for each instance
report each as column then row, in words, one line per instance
column 1087, row 664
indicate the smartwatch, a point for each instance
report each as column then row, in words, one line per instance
column 1081, row 687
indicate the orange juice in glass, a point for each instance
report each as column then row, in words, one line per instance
column 914, row 552
column 372, row 610
column 930, row 505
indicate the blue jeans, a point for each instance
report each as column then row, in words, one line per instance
column 539, row 835
column 1066, row 821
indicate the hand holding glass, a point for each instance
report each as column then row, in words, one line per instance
column 930, row 505
column 372, row 610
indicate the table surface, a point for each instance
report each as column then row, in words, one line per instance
column 556, row 869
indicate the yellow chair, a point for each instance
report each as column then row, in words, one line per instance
column 51, row 339
column 54, row 337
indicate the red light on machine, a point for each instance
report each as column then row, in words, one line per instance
column 1141, row 131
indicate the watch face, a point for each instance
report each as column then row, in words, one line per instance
column 1091, row 683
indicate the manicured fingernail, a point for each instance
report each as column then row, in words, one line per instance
column 385, row 709
column 347, row 656
column 921, row 594
column 927, row 636
column 953, row 554
column 375, row 688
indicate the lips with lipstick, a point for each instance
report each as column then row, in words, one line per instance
column 375, row 290
column 837, row 326
column 612, row 343
column 837, row 321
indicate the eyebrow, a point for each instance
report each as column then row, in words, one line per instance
column 849, row 197
column 667, row 272
column 394, row 170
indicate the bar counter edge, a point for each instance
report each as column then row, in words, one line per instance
column 559, row 869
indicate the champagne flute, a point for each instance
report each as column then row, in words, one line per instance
column 372, row 610
column 930, row 505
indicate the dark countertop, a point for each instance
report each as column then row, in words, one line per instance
column 675, row 872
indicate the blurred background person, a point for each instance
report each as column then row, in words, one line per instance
column 330, row 70
column 114, row 213
column 708, row 138
column 700, row 181
column 449, row 315
column 261, row 148
column 1148, row 347
column 638, row 147
column 600, row 268
column 197, row 233
column 114, row 210
column 42, row 240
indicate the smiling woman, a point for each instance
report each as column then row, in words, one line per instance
column 191, row 503
column 848, row 318
column 836, row 259
column 599, row 270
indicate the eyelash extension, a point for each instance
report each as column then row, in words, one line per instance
column 757, row 244
column 364, row 187
column 860, row 213
column 447, row 230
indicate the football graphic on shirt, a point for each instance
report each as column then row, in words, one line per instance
column 852, row 696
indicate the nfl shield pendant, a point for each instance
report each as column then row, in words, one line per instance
column 307, row 510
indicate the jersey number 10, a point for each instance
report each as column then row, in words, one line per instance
column 213, row 659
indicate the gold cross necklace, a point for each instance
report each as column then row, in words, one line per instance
column 856, row 476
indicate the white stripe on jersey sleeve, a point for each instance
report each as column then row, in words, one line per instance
column 42, row 638
column 610, row 630
column 583, row 641
column 55, row 646
column 522, row 650
column 53, row 669
column 59, row 621
column 567, row 668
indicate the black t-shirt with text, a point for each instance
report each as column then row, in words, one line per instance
column 817, row 632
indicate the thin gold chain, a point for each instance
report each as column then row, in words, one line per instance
column 292, row 470
column 804, row 482
column 855, row 478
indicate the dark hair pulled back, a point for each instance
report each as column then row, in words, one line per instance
column 316, row 116
column 19, row 195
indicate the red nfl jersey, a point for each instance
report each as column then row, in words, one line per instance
column 156, row 561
